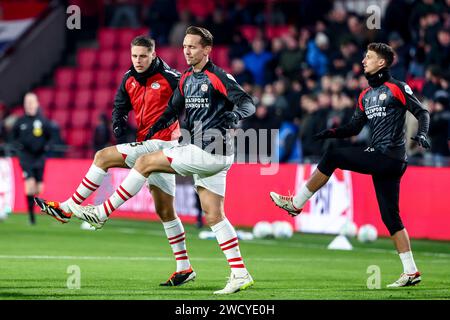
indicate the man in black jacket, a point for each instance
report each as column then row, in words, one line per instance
column 382, row 106
column 32, row 136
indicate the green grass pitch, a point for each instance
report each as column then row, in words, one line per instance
column 128, row 259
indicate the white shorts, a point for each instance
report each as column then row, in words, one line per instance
column 208, row 170
column 133, row 150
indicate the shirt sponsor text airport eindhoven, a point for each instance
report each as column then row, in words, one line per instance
column 375, row 111
column 224, row 309
column 197, row 102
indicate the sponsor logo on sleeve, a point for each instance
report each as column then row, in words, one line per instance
column 408, row 89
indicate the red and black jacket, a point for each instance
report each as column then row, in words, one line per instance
column 206, row 96
column 148, row 94
column 383, row 107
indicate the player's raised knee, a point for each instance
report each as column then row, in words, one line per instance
column 101, row 158
column 144, row 163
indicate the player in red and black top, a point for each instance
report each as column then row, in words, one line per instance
column 146, row 89
column 383, row 108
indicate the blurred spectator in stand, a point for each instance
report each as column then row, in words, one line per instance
column 439, row 127
column 342, row 108
column 395, row 15
column 314, row 121
column 293, row 95
column 343, row 60
column 161, row 16
column 358, row 29
column 242, row 75
column 178, row 31
column 220, row 28
column 280, row 105
column 102, row 133
column 337, row 25
column 440, row 50
column 435, row 80
column 58, row 146
column 238, row 47
column 289, row 148
column 256, row 61
column 125, row 13
column 317, row 54
column 401, row 59
column 263, row 118
column 272, row 67
column 291, row 58
column 239, row 13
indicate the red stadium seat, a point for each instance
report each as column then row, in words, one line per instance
column 276, row 31
column 180, row 62
column 45, row 96
column 84, row 79
column 103, row 99
column 249, row 32
column 65, row 77
column 107, row 38
column 82, row 99
column 87, row 58
column 104, row 78
column 124, row 60
column 61, row 117
column 63, row 99
column 126, row 35
column 168, row 54
column 81, row 118
column 77, row 137
column 107, row 59
column 219, row 56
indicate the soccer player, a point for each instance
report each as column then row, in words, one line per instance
column 214, row 103
column 145, row 88
column 32, row 137
column 382, row 106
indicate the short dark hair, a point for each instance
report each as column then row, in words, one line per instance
column 206, row 36
column 144, row 41
column 383, row 50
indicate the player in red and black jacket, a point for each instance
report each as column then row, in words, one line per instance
column 382, row 106
column 147, row 93
column 213, row 100
column 146, row 88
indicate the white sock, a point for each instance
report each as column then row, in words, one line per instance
column 176, row 236
column 91, row 181
column 227, row 238
column 131, row 185
column 301, row 197
column 409, row 266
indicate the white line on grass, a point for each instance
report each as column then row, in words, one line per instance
column 154, row 258
column 293, row 244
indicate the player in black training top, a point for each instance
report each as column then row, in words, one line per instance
column 32, row 136
column 214, row 103
column 382, row 106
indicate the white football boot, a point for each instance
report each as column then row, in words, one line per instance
column 89, row 214
column 285, row 203
column 406, row 280
column 235, row 284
